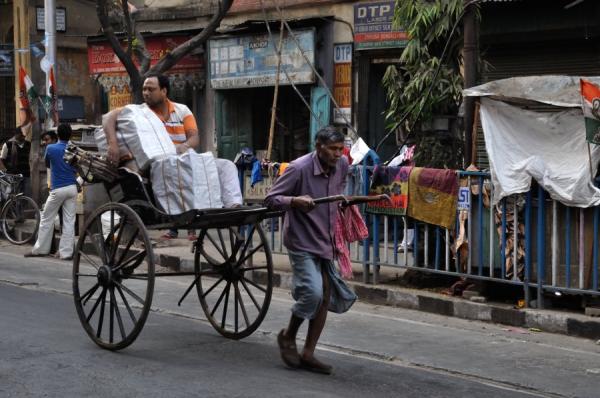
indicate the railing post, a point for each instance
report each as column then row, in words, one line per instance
column 526, row 290
column 541, row 246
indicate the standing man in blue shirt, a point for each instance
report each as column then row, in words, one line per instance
column 63, row 193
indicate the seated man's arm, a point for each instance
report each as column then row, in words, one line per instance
column 191, row 134
column 109, row 124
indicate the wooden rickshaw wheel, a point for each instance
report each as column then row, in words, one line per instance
column 228, row 264
column 113, row 276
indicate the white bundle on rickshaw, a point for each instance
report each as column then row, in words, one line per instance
column 141, row 133
column 186, row 182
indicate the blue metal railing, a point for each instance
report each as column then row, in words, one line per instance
column 528, row 240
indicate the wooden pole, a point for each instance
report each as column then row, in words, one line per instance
column 275, row 93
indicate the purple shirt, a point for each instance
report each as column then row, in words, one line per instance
column 310, row 232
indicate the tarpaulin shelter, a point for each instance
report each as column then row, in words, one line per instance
column 549, row 147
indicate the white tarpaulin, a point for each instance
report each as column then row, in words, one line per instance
column 550, row 147
column 560, row 91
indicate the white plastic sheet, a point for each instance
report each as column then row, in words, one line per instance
column 185, row 182
column 562, row 91
column 550, row 147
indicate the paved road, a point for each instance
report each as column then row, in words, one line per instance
column 377, row 351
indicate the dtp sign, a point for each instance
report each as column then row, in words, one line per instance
column 371, row 12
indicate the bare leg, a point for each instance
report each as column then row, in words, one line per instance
column 293, row 326
column 316, row 325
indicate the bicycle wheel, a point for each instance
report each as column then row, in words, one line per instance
column 20, row 219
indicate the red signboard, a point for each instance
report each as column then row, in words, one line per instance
column 102, row 59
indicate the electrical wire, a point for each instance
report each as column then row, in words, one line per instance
column 319, row 77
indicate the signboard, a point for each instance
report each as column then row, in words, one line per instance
column 251, row 61
column 373, row 26
column 102, row 59
column 257, row 192
column 61, row 19
column 6, row 60
column 342, row 82
column 464, row 198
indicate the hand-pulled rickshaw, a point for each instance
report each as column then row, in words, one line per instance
column 114, row 265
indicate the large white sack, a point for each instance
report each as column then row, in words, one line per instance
column 231, row 192
column 141, row 133
column 549, row 147
column 185, row 182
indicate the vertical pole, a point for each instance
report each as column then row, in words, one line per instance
column 275, row 92
column 541, row 246
column 568, row 247
column 470, row 72
column 528, row 246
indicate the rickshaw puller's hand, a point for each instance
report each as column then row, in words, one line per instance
column 305, row 203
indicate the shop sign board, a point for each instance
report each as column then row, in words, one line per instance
column 251, row 61
column 464, row 198
column 373, row 26
column 102, row 58
column 342, row 82
column 259, row 191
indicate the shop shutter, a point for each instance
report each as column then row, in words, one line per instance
column 563, row 58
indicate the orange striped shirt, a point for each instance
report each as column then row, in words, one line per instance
column 179, row 122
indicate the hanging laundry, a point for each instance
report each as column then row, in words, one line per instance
column 392, row 181
column 433, row 196
column 256, row 175
column 282, row 168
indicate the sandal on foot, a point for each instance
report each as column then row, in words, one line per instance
column 314, row 365
column 288, row 351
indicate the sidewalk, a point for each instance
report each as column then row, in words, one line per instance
column 178, row 256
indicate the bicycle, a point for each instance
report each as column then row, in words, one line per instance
column 20, row 215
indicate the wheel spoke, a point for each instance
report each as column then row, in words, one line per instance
column 86, row 296
column 224, row 318
column 136, row 259
column 89, row 259
column 241, row 302
column 223, row 246
column 130, row 292
column 250, row 294
column 259, row 287
column 118, row 313
column 254, row 268
column 95, row 305
column 212, row 240
column 248, row 240
column 101, row 319
column 122, row 225
column 247, row 256
column 213, row 286
column 98, row 243
column 220, row 299
column 126, row 304
column 127, row 247
column 235, row 307
column 136, row 277
column 112, row 316
column 87, row 275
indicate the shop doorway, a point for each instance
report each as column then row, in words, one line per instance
column 378, row 104
column 243, row 117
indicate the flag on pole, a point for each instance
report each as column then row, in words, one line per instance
column 590, row 103
column 50, row 101
column 27, row 95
